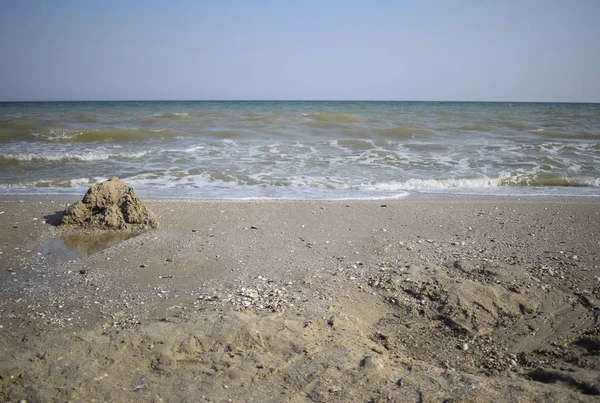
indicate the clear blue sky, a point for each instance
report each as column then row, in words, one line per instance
column 527, row 50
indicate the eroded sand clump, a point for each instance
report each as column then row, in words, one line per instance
column 110, row 205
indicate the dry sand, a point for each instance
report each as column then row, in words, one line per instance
column 305, row 301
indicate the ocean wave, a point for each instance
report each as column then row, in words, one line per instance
column 334, row 117
column 85, row 117
column 402, row 132
column 503, row 180
column 253, row 117
column 172, row 115
column 223, row 134
column 475, row 128
column 19, row 123
column 587, row 182
column 15, row 129
column 582, row 135
column 435, row 184
column 99, row 135
column 192, row 149
column 517, row 125
column 555, row 124
column 549, row 133
column 332, row 120
column 76, row 183
column 354, row 144
column 62, row 157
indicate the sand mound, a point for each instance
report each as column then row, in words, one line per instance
column 110, row 205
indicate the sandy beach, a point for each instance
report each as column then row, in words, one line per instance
column 270, row 301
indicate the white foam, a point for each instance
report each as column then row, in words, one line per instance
column 56, row 184
column 169, row 115
column 186, row 150
column 60, row 135
column 87, row 182
column 229, row 142
column 587, row 182
column 86, row 156
column 427, row 184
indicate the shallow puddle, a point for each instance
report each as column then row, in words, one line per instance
column 91, row 243
column 73, row 246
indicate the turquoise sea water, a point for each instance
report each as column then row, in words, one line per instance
column 301, row 150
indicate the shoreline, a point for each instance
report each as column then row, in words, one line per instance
column 409, row 197
column 307, row 300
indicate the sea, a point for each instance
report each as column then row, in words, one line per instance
column 300, row 150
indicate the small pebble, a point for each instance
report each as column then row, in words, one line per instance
column 464, row 346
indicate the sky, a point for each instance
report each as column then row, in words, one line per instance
column 462, row 50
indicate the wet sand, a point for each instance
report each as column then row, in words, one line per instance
column 456, row 300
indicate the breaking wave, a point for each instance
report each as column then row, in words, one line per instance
column 61, row 183
column 65, row 157
column 505, row 180
column 99, row 135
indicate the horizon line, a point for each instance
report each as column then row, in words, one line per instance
column 297, row 100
